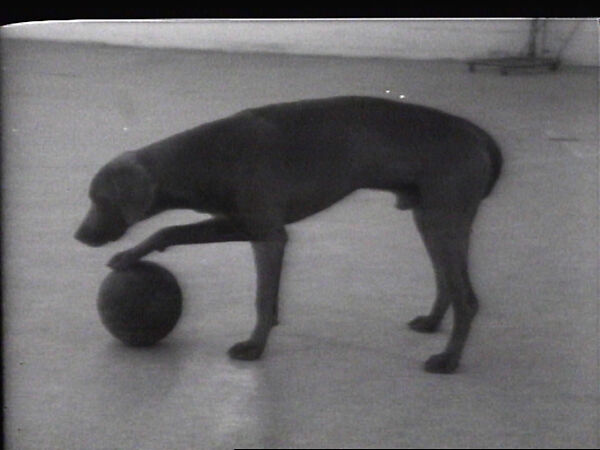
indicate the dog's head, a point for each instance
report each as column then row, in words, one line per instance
column 122, row 193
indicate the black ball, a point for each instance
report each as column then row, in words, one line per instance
column 141, row 304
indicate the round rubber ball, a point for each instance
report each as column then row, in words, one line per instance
column 141, row 304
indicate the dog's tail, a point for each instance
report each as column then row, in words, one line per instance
column 496, row 164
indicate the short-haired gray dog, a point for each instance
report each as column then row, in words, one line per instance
column 265, row 167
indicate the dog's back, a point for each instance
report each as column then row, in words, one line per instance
column 341, row 144
column 333, row 145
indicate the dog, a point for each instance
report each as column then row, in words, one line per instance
column 262, row 168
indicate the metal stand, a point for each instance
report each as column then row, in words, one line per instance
column 530, row 60
column 515, row 63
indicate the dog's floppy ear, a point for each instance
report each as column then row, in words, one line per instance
column 133, row 188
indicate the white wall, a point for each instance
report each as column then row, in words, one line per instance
column 422, row 39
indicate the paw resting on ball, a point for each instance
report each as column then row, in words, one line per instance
column 123, row 260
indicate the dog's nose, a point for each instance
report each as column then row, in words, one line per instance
column 83, row 236
column 79, row 235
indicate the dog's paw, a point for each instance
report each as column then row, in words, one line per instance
column 424, row 324
column 123, row 260
column 246, row 351
column 442, row 363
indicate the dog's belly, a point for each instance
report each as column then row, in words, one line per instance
column 326, row 181
column 317, row 193
column 299, row 207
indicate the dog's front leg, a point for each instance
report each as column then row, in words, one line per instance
column 268, row 257
column 209, row 231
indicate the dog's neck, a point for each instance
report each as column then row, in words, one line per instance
column 164, row 201
column 207, row 203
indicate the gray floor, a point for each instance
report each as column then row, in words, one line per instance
column 342, row 370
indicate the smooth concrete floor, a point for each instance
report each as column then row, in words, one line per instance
column 342, row 370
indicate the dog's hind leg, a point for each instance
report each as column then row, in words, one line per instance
column 446, row 239
column 444, row 218
column 268, row 257
column 431, row 322
column 437, row 235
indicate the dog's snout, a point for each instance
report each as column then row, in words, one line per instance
column 99, row 227
column 87, row 237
